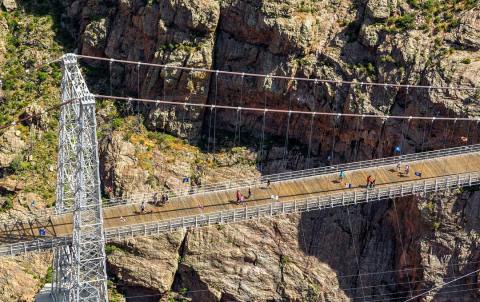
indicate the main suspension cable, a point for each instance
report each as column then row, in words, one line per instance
column 284, row 77
column 400, row 117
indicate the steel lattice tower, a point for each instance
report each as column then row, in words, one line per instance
column 80, row 270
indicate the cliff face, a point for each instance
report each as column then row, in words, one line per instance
column 409, row 43
column 381, row 251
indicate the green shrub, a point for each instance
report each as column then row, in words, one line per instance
column 466, row 61
column 42, row 76
column 110, row 249
column 117, row 123
column 405, row 22
column 387, row 59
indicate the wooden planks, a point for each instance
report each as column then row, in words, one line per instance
column 125, row 215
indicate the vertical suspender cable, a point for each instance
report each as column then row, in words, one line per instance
column 285, row 152
column 262, row 141
column 309, row 150
column 404, row 133
column 138, row 95
column 242, row 103
column 467, row 142
column 357, row 141
column 335, row 119
column 215, row 114
column 262, row 152
column 356, row 254
column 402, row 246
column 112, row 171
column 209, row 128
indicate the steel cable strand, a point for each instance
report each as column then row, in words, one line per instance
column 215, row 116
column 309, row 151
column 329, row 81
column 401, row 244
column 138, row 103
column 355, row 253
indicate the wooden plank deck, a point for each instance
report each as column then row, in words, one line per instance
column 204, row 203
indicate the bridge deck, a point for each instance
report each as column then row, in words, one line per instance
column 130, row 214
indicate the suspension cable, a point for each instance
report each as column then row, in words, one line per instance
column 310, row 142
column 285, row 151
column 215, row 114
column 355, row 253
column 400, row 117
column 353, row 82
column 138, row 95
column 442, row 285
column 262, row 155
column 309, row 151
column 401, row 243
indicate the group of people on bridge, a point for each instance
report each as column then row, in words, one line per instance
column 240, row 198
column 156, row 201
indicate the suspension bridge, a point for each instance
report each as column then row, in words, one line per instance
column 81, row 223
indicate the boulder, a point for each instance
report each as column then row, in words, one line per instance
column 9, row 5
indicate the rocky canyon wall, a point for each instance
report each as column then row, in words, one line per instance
column 383, row 251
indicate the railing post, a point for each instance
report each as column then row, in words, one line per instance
column 401, row 190
column 424, row 187
column 331, row 201
column 221, row 217
column 436, row 185
column 170, row 226
column 295, row 206
column 366, row 195
column 271, row 209
column 246, row 213
column 258, row 212
column 458, row 180
column 355, row 197
column 283, row 208
column 183, row 222
column 469, row 179
column 343, row 199
column 196, row 220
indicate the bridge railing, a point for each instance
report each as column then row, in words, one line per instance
column 261, row 181
column 344, row 198
column 347, row 197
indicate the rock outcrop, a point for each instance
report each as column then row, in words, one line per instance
column 22, row 277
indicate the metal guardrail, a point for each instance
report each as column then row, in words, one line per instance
column 255, row 182
column 345, row 198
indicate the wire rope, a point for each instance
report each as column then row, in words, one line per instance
column 285, row 151
column 355, row 253
column 215, row 115
column 399, row 117
column 352, row 82
column 402, row 246
column 309, row 150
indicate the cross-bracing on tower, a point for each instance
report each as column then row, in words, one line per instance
column 80, row 270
